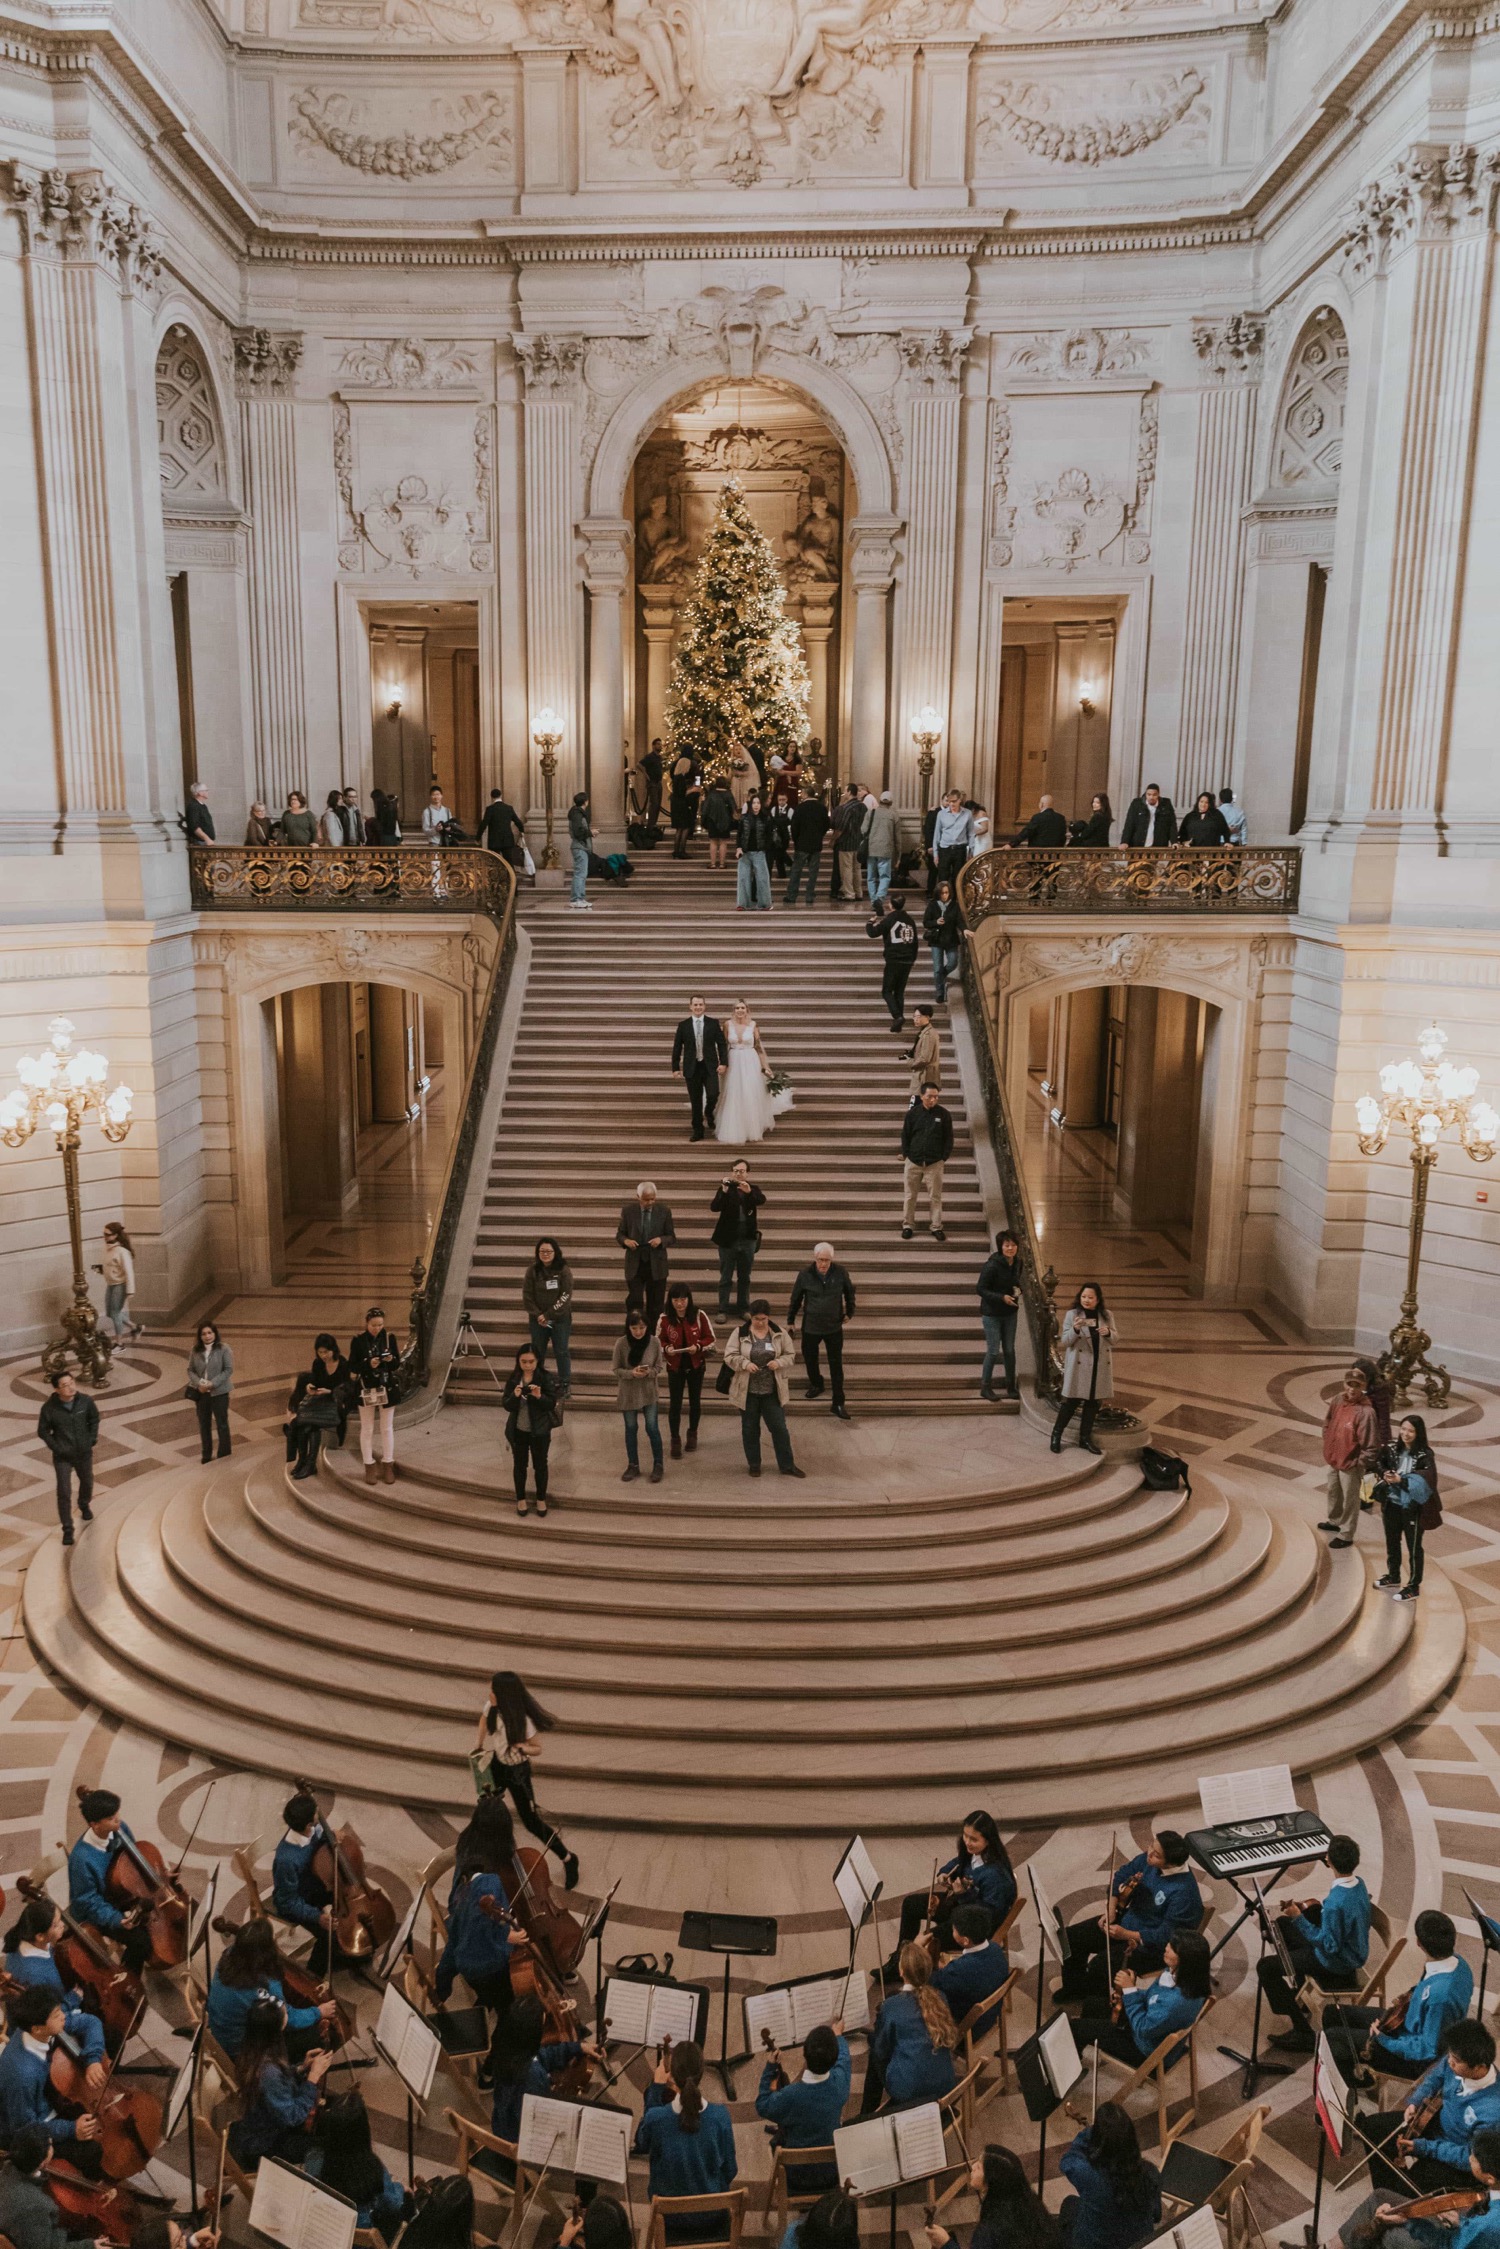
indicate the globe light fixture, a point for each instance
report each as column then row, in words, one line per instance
column 927, row 732
column 546, row 732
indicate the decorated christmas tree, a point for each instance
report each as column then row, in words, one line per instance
column 738, row 680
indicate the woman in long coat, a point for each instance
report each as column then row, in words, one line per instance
column 1088, row 1334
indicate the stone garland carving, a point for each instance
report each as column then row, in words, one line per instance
column 1309, row 442
column 725, row 452
column 1232, row 348
column 189, row 441
column 332, row 121
column 1432, row 193
column 408, row 526
column 1079, row 354
column 1024, row 110
column 1071, row 522
column 78, row 216
column 1130, row 959
column 407, row 363
column 265, row 361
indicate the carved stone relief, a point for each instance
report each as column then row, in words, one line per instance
column 1132, row 958
column 1095, row 120
column 190, row 443
column 79, row 217
column 450, row 22
column 1232, row 349
column 408, row 363
column 1309, row 441
column 1072, row 520
column 266, row 361
column 461, row 126
column 415, row 525
column 1077, row 354
column 1432, row 193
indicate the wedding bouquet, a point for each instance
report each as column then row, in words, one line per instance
column 779, row 1087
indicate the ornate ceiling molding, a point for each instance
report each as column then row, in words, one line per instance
column 333, row 121
column 1435, row 192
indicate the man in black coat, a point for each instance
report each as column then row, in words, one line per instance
column 646, row 1233
column 848, row 820
column 736, row 1207
column 1046, row 830
column 1150, row 821
column 700, row 1052
column 926, row 1145
column 68, row 1426
column 999, row 1286
column 823, row 1298
column 198, row 820
column 897, row 932
column 501, row 831
column 809, row 827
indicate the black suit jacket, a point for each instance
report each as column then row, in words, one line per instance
column 639, row 1224
column 685, row 1046
column 1133, row 834
column 1045, row 831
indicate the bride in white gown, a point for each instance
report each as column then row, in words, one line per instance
column 747, row 1111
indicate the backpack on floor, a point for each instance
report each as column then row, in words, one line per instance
column 1164, row 1472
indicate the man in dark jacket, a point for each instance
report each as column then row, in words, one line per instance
column 646, row 1233
column 897, row 932
column 501, row 831
column 1046, row 830
column 68, row 1426
column 848, row 824
column 999, row 1288
column 926, row 1144
column 736, row 1236
column 198, row 819
column 809, row 827
column 823, row 1299
column 1150, row 821
column 29, row 2217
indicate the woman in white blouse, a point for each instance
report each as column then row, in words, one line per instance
column 511, row 1725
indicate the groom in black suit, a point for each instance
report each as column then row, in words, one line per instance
column 700, row 1052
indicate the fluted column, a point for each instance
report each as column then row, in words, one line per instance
column 872, row 573
column 934, row 364
column 606, row 573
column 554, row 619
column 266, row 362
column 1230, row 351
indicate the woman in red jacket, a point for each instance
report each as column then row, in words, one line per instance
column 686, row 1336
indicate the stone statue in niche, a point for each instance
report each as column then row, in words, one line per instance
column 663, row 550
column 813, row 548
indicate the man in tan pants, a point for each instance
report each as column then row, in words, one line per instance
column 924, row 1055
column 1350, row 1436
column 926, row 1145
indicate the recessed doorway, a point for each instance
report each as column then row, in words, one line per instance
column 424, row 715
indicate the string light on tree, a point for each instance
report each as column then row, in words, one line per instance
column 1427, row 1100
column 738, row 683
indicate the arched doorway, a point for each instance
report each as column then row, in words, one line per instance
column 797, row 484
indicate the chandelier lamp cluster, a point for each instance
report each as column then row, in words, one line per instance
column 547, row 732
column 60, row 1090
column 1425, row 1100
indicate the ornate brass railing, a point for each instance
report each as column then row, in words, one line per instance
column 1038, row 1282
column 401, row 879
column 1182, row 879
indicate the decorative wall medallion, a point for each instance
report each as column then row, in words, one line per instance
column 413, row 525
column 1309, row 442
column 1078, row 354
column 1129, row 118
column 1068, row 523
column 407, row 363
column 464, row 124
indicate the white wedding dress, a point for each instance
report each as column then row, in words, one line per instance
column 746, row 1110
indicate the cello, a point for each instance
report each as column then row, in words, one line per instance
column 84, row 1958
column 137, row 1881
column 530, row 1978
column 556, row 1933
column 101, row 2213
column 364, row 1918
column 130, row 2122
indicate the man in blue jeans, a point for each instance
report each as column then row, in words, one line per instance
column 759, row 1355
column 880, row 846
column 581, row 835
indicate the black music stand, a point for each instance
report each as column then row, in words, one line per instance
column 1489, row 1937
column 751, row 1936
column 1271, row 1940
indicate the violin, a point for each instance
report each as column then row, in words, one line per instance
column 130, row 2122
column 137, row 1881
column 302, row 1989
column 102, row 2213
column 1394, row 2018
column 1460, row 2200
column 556, row 1933
column 778, row 2072
column 364, row 1918
column 84, row 1958
column 1422, row 2118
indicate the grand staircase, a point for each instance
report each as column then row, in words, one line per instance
column 592, row 1109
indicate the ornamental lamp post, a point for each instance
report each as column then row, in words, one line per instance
column 1426, row 1100
column 926, row 732
column 60, row 1089
column 546, row 732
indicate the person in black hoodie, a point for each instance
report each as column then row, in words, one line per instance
column 999, row 1286
column 374, row 1357
column 809, row 827
column 897, row 932
column 68, row 1426
column 1205, row 824
column 319, row 1402
column 1093, row 833
column 926, row 1145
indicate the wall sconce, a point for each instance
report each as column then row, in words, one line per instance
column 926, row 732
column 547, row 732
column 1087, row 699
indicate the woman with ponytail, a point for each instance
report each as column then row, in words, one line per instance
column 911, row 2046
column 690, row 2141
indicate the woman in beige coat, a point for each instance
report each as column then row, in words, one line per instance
column 637, row 1365
column 759, row 1355
column 1088, row 1332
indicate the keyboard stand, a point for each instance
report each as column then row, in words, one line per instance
column 1253, row 2066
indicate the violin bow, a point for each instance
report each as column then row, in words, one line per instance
column 214, row 1779
column 541, row 2180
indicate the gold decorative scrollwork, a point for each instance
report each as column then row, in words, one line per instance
column 1240, row 879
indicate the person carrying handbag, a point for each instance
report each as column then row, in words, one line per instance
column 374, row 1361
column 532, row 1412
column 318, row 1403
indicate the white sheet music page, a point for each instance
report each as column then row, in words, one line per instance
column 865, row 2154
column 674, row 2014
column 812, row 2003
column 547, row 2134
column 1258, row 1793
column 328, row 2221
column 1198, row 2230
column 851, row 2001
column 276, row 2206
column 1046, row 1914
column 919, row 2140
column 603, row 2150
column 772, row 2011
column 627, row 2006
column 1060, row 2056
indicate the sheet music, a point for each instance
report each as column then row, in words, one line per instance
column 399, row 1942
column 1060, row 2055
column 1198, row 2230
column 408, row 2042
column 1330, row 2094
column 182, row 2085
column 204, row 1914
column 548, row 2133
column 1046, row 1915
column 603, row 2150
column 299, row 2213
column 919, row 2140
column 768, row 2010
column 639, row 2014
column 865, row 2155
column 850, row 2000
column 1259, row 1793
column 328, row 2221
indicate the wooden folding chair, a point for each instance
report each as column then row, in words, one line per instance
column 783, row 2195
column 1315, row 1997
column 981, row 2048
column 1153, row 2071
column 475, row 2144
column 730, row 2204
column 1006, row 1929
column 954, row 2109
column 1228, row 2199
column 243, row 1862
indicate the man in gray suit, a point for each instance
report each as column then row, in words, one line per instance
column 646, row 1233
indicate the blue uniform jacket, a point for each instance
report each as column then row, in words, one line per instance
column 970, row 1977
column 1153, row 2015
column 915, row 2069
column 478, row 1945
column 994, row 1886
column 701, row 2162
column 38, row 1971
column 24, row 2096
column 294, row 1893
column 807, row 2115
column 1340, row 1937
column 1464, row 2110
column 87, row 1869
column 283, row 2102
column 549, row 2062
column 1433, row 2005
column 1164, row 1901
column 229, row 2005
column 1100, row 2222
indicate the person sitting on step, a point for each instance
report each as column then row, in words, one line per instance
column 806, row 2111
column 1153, row 1897
column 977, row 1969
column 1404, row 2040
column 1329, row 1942
column 1174, row 2002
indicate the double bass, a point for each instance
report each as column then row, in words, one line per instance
column 530, row 1978
column 364, row 1918
column 85, row 1959
column 101, row 2213
column 556, row 1933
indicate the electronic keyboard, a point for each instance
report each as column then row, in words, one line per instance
column 1259, row 1846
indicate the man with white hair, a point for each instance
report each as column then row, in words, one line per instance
column 198, row 821
column 646, row 1233
column 823, row 1299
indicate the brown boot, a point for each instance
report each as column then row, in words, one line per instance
column 692, row 1440
column 677, row 1448
column 371, row 1472
column 388, row 1471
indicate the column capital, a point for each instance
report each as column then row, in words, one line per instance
column 873, row 552
column 1436, row 192
column 552, row 365
column 1232, row 349
column 266, row 361
column 607, row 541
column 933, row 359
column 78, row 218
